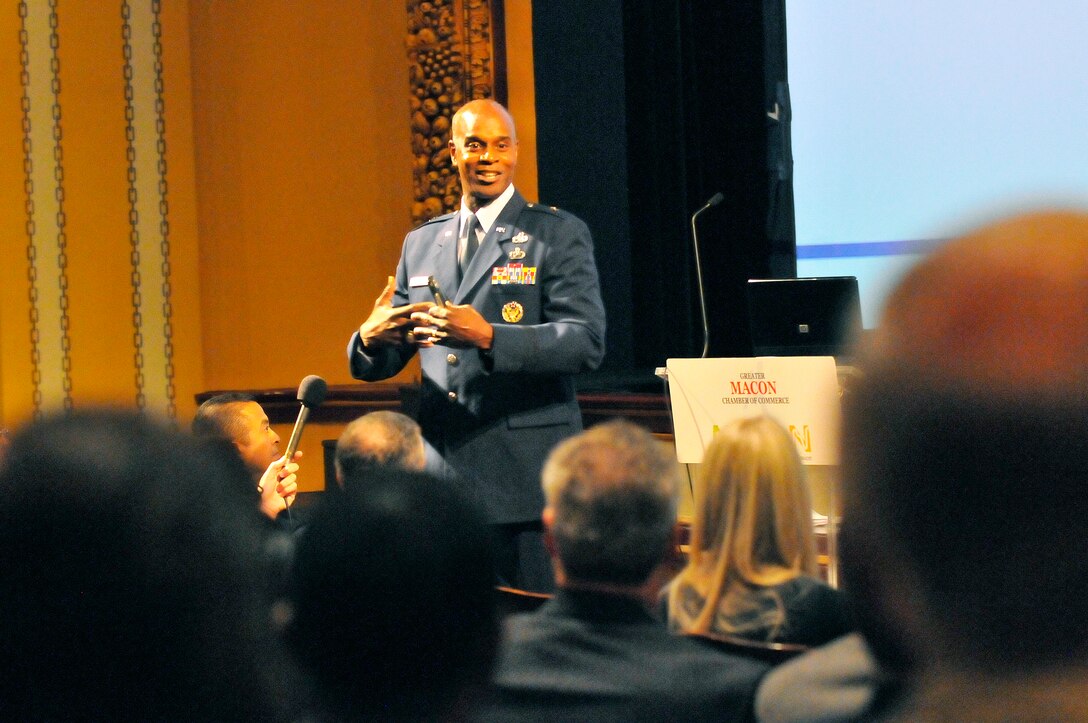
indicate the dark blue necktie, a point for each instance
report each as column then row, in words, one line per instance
column 472, row 242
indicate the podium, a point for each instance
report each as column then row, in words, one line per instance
column 801, row 393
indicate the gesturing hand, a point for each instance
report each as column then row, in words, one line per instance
column 453, row 325
column 386, row 323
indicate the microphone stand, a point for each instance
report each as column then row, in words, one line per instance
column 714, row 201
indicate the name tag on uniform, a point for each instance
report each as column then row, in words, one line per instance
column 417, row 281
column 513, row 274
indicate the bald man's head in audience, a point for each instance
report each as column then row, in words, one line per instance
column 966, row 450
column 379, row 439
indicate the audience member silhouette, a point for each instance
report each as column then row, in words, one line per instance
column 393, row 598
column 594, row 652
column 965, row 529
column 133, row 581
column 751, row 569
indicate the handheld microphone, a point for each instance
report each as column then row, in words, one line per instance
column 714, row 201
column 311, row 392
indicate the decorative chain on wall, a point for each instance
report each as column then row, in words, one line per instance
column 62, row 234
column 451, row 61
column 50, row 342
column 45, row 224
column 31, row 228
column 133, row 210
column 148, row 320
column 164, row 213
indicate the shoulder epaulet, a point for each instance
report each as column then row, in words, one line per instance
column 543, row 209
column 437, row 219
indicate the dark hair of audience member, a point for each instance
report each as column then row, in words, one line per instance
column 393, row 597
column 966, row 467
column 133, row 579
column 999, row 475
column 217, row 417
column 227, row 454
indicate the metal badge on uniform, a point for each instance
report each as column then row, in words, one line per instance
column 500, row 229
column 417, row 281
column 512, row 312
column 517, row 253
column 520, row 238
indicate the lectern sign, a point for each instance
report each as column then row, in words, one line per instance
column 802, row 393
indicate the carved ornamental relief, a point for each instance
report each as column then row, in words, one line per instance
column 452, row 60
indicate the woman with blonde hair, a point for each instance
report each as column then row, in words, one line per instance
column 751, row 571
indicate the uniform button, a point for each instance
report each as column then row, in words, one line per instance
column 451, row 358
column 452, row 396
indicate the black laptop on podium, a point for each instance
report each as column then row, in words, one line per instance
column 804, row 317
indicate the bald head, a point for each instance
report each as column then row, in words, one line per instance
column 379, row 439
column 1001, row 308
column 469, row 114
column 966, row 447
column 484, row 149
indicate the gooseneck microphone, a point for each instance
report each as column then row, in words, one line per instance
column 714, row 201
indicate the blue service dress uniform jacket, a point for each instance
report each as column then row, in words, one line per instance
column 493, row 417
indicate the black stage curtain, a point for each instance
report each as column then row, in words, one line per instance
column 645, row 109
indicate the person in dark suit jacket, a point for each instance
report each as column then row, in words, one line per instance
column 594, row 652
column 523, row 315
